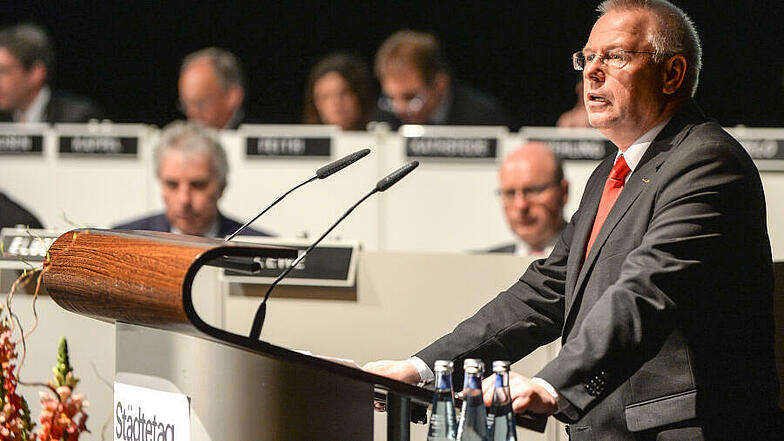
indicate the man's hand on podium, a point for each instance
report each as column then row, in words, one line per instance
column 401, row 370
column 526, row 395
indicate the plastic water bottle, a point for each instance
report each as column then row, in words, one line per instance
column 443, row 424
column 501, row 420
column 473, row 418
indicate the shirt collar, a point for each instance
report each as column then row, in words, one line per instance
column 211, row 232
column 523, row 249
column 634, row 153
column 35, row 112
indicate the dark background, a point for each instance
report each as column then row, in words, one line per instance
column 126, row 55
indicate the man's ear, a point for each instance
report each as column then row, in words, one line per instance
column 236, row 95
column 441, row 82
column 674, row 73
column 37, row 74
column 221, row 187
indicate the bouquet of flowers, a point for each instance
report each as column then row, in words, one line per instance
column 62, row 417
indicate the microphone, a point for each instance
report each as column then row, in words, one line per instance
column 385, row 182
column 327, row 170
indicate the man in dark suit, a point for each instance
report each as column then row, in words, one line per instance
column 13, row 214
column 418, row 89
column 26, row 66
column 661, row 285
column 212, row 89
column 533, row 193
column 192, row 169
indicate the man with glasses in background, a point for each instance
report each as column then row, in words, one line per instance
column 661, row 285
column 212, row 89
column 533, row 193
column 417, row 87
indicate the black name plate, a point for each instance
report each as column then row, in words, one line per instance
column 449, row 147
column 19, row 244
column 331, row 265
column 16, row 144
column 288, row 146
column 579, row 149
column 763, row 148
column 99, row 145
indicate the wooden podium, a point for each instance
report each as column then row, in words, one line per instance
column 238, row 388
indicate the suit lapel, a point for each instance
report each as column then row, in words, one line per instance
column 643, row 176
column 583, row 228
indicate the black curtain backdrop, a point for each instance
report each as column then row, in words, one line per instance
column 126, row 55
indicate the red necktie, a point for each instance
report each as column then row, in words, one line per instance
column 612, row 189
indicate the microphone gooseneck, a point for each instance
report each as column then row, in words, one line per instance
column 327, row 170
column 383, row 184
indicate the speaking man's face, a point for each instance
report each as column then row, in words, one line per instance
column 623, row 102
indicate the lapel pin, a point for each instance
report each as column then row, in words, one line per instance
column 645, row 180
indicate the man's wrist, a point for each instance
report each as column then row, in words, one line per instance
column 425, row 373
column 560, row 402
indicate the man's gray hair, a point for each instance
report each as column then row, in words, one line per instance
column 674, row 34
column 30, row 44
column 227, row 66
column 190, row 138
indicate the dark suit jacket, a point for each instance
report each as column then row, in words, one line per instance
column 468, row 107
column 666, row 326
column 13, row 214
column 65, row 107
column 159, row 222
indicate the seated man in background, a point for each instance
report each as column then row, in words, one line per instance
column 13, row 214
column 26, row 67
column 192, row 169
column 418, row 88
column 533, row 192
column 212, row 88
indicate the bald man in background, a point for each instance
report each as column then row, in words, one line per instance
column 533, row 193
column 212, row 89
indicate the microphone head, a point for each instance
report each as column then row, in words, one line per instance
column 340, row 164
column 390, row 179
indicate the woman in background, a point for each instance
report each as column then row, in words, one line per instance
column 339, row 91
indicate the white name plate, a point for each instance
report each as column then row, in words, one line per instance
column 150, row 415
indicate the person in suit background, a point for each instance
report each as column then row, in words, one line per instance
column 418, row 88
column 26, row 69
column 533, row 193
column 192, row 169
column 339, row 91
column 661, row 285
column 13, row 214
column 212, row 89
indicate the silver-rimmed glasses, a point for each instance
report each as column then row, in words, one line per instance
column 616, row 58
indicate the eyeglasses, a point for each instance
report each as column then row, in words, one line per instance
column 616, row 58
column 528, row 193
column 414, row 103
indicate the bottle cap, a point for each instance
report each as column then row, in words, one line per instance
column 500, row 366
column 444, row 365
column 473, row 365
